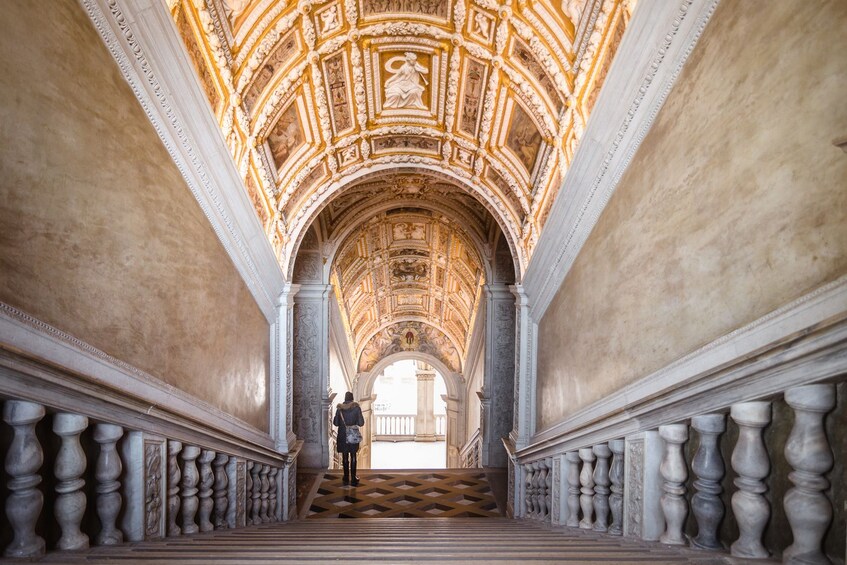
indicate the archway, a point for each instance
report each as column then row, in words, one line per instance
column 454, row 402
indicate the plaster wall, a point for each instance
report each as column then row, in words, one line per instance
column 734, row 205
column 100, row 236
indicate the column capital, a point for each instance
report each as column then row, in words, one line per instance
column 286, row 296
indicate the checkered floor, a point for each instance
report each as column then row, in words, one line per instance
column 406, row 494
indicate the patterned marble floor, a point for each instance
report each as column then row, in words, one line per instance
column 406, row 494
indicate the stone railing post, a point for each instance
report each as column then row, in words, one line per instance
column 709, row 468
column 263, row 477
column 190, row 479
column 807, row 450
column 23, row 460
column 68, row 470
column 616, row 475
column 572, row 457
column 207, row 482
column 586, row 479
column 248, row 494
column 256, row 495
column 108, row 471
column 220, row 490
column 674, row 472
column 601, row 487
column 750, row 461
column 174, row 476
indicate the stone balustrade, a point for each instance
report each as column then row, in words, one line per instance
column 647, row 484
column 140, row 485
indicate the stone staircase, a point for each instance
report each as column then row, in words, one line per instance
column 391, row 540
column 443, row 516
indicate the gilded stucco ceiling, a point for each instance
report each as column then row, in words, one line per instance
column 408, row 265
column 311, row 95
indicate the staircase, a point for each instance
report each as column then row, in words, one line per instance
column 389, row 540
column 448, row 516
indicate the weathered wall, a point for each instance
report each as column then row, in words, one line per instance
column 101, row 237
column 734, row 205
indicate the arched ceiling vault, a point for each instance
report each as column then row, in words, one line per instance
column 311, row 95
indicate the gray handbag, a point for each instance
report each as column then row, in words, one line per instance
column 352, row 435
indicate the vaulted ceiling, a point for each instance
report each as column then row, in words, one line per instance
column 408, row 133
column 311, row 94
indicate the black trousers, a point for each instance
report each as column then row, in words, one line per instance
column 348, row 460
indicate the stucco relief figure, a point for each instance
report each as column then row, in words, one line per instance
column 329, row 20
column 234, row 8
column 482, row 25
column 404, row 88
column 572, row 9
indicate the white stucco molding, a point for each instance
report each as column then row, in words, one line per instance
column 149, row 52
column 801, row 343
column 655, row 47
column 60, row 371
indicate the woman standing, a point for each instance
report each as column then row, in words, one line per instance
column 348, row 414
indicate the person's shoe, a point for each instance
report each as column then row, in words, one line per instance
column 346, row 480
column 355, row 481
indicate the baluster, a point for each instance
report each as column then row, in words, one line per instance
column 263, row 476
column 207, row 481
column 616, row 475
column 548, row 487
column 573, row 488
column 750, row 461
column 221, row 490
column 674, row 472
column 174, row 476
column 541, row 490
column 709, row 468
column 273, row 511
column 256, row 494
column 586, row 479
column 69, row 468
column 23, row 460
column 807, row 450
column 601, row 487
column 248, row 495
column 528, row 490
column 108, row 471
column 190, row 479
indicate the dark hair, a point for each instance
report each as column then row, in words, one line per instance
column 348, row 397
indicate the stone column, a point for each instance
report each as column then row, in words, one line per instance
column 310, row 362
column 68, row 470
column 616, row 476
column 281, row 386
column 107, row 473
column 573, row 460
column 273, row 481
column 807, row 450
column 750, row 461
column 364, row 457
column 498, row 381
column 454, row 422
column 207, row 482
column 601, row 487
column 188, row 492
column 145, row 492
column 221, row 501
column 23, row 461
column 643, row 516
column 586, row 479
column 675, row 473
column 174, row 477
column 709, row 468
column 525, row 360
column 425, row 416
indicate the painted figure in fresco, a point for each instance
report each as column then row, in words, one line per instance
column 410, row 338
column 404, row 88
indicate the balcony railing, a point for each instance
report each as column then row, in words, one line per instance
column 401, row 427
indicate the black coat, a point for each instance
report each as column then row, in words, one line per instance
column 353, row 416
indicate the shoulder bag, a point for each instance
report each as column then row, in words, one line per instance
column 352, row 435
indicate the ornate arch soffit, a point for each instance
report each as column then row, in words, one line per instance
column 359, row 215
column 336, row 188
column 426, row 339
column 308, row 93
column 454, row 381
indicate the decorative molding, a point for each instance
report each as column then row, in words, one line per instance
column 144, row 43
column 614, row 133
column 76, row 377
column 800, row 343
